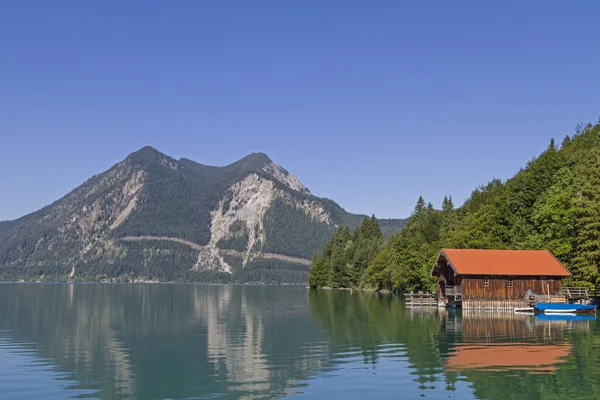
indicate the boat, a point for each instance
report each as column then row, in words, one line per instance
column 563, row 308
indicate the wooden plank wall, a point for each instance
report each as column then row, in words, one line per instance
column 473, row 289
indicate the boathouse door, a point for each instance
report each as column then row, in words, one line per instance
column 441, row 290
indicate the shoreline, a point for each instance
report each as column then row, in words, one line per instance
column 150, row 283
column 382, row 291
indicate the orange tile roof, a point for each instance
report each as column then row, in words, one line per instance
column 504, row 262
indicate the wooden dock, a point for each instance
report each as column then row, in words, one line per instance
column 421, row 299
column 453, row 298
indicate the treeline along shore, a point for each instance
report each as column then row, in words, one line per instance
column 552, row 203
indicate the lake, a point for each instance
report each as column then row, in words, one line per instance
column 168, row 341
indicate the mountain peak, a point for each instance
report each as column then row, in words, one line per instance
column 149, row 154
column 256, row 159
column 146, row 152
column 252, row 162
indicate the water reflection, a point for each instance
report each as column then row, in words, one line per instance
column 166, row 341
column 186, row 341
column 506, row 341
column 508, row 357
column 499, row 355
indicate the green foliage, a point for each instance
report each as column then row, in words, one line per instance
column 406, row 259
column 587, row 222
column 553, row 203
column 346, row 256
column 319, row 273
column 292, row 232
column 554, row 216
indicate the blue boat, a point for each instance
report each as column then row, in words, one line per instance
column 563, row 308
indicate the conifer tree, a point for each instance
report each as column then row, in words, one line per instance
column 419, row 207
column 339, row 261
column 319, row 273
column 447, row 205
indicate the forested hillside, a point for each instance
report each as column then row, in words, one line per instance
column 552, row 203
column 346, row 256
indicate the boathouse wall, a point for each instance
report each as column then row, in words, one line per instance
column 507, row 287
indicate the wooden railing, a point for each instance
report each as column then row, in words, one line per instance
column 546, row 298
column 576, row 293
column 453, row 291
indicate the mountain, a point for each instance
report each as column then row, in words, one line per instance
column 154, row 217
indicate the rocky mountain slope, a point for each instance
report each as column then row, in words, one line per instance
column 154, row 217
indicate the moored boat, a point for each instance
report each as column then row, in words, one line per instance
column 563, row 308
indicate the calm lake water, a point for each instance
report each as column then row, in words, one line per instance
column 219, row 342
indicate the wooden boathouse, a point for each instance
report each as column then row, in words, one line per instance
column 497, row 279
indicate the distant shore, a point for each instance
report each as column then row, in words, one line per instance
column 383, row 291
column 156, row 282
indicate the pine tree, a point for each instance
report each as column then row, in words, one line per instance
column 368, row 241
column 319, row 273
column 419, row 207
column 370, row 228
column 449, row 220
column 339, row 270
column 339, row 261
column 447, row 205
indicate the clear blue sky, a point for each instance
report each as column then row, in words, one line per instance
column 370, row 103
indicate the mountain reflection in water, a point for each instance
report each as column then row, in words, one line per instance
column 193, row 341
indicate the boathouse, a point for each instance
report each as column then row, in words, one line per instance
column 496, row 278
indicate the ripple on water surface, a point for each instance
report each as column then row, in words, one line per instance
column 25, row 375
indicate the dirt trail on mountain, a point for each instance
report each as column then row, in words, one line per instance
column 270, row 256
column 196, row 246
column 171, row 239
